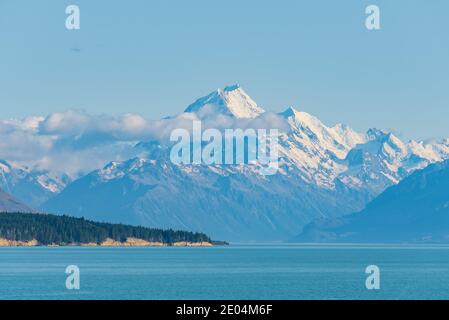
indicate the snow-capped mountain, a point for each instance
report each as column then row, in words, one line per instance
column 231, row 101
column 324, row 172
column 315, row 149
column 384, row 160
column 31, row 186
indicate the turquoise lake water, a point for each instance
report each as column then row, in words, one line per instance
column 234, row 272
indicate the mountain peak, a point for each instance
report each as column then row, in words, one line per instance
column 231, row 88
column 377, row 134
column 289, row 112
column 231, row 101
column 385, row 137
column 302, row 118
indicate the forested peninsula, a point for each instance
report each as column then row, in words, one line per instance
column 32, row 229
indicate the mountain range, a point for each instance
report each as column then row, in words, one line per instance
column 324, row 172
column 31, row 186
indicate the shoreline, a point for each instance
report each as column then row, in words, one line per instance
column 130, row 242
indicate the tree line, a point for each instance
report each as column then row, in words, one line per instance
column 52, row 229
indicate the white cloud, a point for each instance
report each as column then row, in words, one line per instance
column 75, row 142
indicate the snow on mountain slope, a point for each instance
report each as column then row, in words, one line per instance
column 369, row 163
column 30, row 186
column 347, row 136
column 231, row 101
column 433, row 150
column 315, row 149
column 384, row 160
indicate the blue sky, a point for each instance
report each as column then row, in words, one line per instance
column 155, row 57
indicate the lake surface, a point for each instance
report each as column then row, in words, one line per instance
column 234, row 272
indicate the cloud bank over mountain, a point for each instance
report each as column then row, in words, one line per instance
column 75, row 142
column 70, row 141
